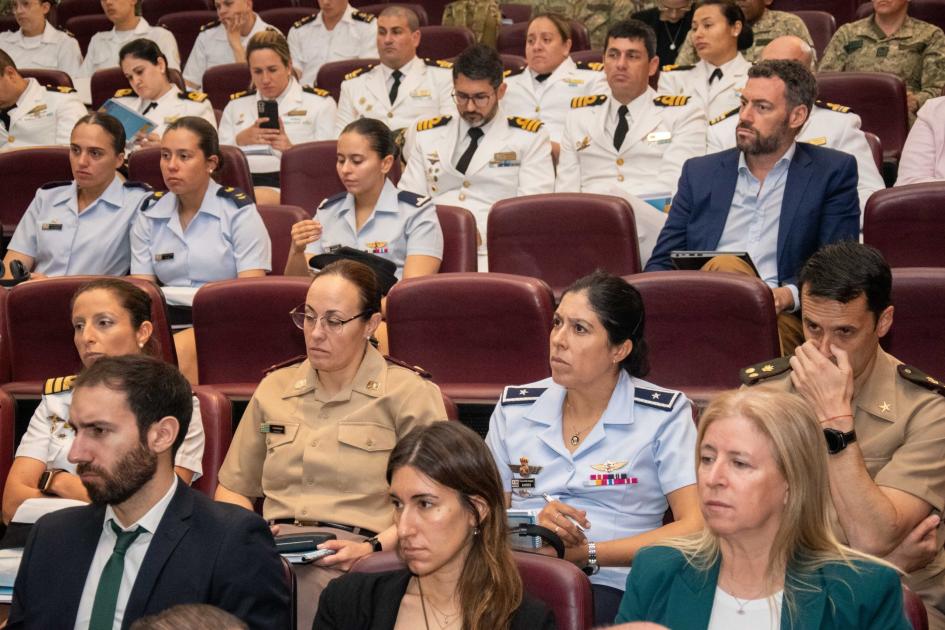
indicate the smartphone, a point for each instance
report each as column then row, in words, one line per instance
column 315, row 555
column 270, row 110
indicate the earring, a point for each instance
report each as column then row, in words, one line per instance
column 140, row 346
column 475, row 531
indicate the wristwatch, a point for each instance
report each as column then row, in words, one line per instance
column 592, row 567
column 838, row 440
column 46, row 479
column 375, row 544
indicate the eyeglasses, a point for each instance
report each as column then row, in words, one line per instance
column 479, row 100
column 303, row 317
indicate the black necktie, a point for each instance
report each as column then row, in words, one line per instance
column 541, row 77
column 5, row 117
column 716, row 74
column 622, row 127
column 149, row 108
column 475, row 133
column 397, row 74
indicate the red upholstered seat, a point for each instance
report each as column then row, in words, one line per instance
column 474, row 332
column 186, row 27
column 30, row 169
column 279, row 221
column 821, row 26
column 876, row 148
column 459, row 239
column 4, row 341
column 9, row 23
column 154, row 10
column 46, row 76
column 434, row 9
column 444, row 42
column 144, row 165
column 915, row 610
column 560, row 237
column 68, row 9
column 85, row 26
column 7, row 435
column 105, row 83
column 284, row 17
column 220, row 82
column 331, row 74
column 511, row 38
column 843, row 10
column 905, row 224
column 217, row 414
column 266, row 5
column 916, row 334
column 516, row 12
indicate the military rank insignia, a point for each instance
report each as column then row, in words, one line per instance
column 588, row 101
column 528, row 124
column 667, row 100
column 433, row 123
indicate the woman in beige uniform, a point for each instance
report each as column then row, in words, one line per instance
column 315, row 438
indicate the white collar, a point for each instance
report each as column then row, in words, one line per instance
column 405, row 69
column 152, row 518
column 32, row 85
column 345, row 17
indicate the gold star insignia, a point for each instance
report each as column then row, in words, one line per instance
column 931, row 380
column 884, row 407
column 768, row 368
column 749, row 370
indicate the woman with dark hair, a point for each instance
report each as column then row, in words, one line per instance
column 719, row 31
column 152, row 93
column 452, row 531
column 595, row 451
column 110, row 317
column 81, row 226
column 671, row 21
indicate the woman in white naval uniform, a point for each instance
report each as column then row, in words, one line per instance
column 611, row 451
column 719, row 31
column 153, row 95
column 81, row 227
column 305, row 114
column 544, row 90
column 110, row 317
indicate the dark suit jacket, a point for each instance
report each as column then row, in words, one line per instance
column 664, row 588
column 820, row 206
column 202, row 552
column 370, row 601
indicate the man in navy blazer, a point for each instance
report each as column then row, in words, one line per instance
column 776, row 199
column 130, row 415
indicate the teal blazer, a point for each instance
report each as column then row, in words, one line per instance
column 662, row 587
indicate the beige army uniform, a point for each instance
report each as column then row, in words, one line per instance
column 916, row 53
column 899, row 417
column 771, row 25
column 482, row 17
column 596, row 15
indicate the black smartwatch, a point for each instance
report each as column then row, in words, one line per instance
column 375, row 544
column 45, row 480
column 838, row 440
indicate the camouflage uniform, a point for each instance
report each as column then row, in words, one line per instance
column 915, row 53
column 770, row 25
column 482, row 17
column 6, row 7
column 597, row 15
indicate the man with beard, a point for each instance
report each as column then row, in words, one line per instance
column 148, row 541
column 770, row 196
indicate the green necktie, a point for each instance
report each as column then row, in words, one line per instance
column 106, row 595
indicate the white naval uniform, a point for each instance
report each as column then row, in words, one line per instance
column 53, row 50
column 104, row 46
column 829, row 125
column 212, row 48
column 723, row 95
column 550, row 100
column 41, row 117
column 172, row 105
column 308, row 114
column 311, row 44
column 513, row 158
column 425, row 91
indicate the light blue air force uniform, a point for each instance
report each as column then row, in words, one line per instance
column 402, row 224
column 225, row 237
column 65, row 242
column 641, row 450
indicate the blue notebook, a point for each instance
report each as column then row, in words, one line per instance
column 132, row 121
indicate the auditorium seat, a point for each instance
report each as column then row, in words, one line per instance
column 217, row 413
column 266, row 5
column 588, row 56
column 284, row 17
column 560, row 237
column 279, row 221
column 905, row 224
column 843, row 10
column 474, row 332
column 376, row 9
column 186, row 27
column 69, row 9
column 702, row 328
column 516, row 12
column 220, row 82
column 444, row 42
column 154, row 10
column 332, row 74
column 821, row 26
column 83, row 27
column 434, row 9
column 242, row 327
column 918, row 320
column 7, row 435
column 459, row 239
column 105, row 83
column 876, row 148
column 46, row 76
column 291, row 581
column 931, row 11
column 144, row 165
column 513, row 63
column 4, row 342
column 914, row 609
column 30, row 169
column 511, row 38
column 8, row 23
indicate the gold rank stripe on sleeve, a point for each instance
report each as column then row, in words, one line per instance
column 123, row 92
column 596, row 66
column 362, row 16
column 843, row 109
column 305, row 20
column 62, row 89
column 920, row 378
column 588, row 101
column 528, row 124
column 58, row 384
column 724, row 116
column 433, row 123
column 438, row 63
column 674, row 68
column 671, row 101
column 209, row 25
column 237, row 95
column 315, row 90
column 358, row 71
column 198, row 97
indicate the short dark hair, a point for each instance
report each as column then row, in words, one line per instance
column 109, row 125
column 378, row 135
column 6, row 61
column 800, row 86
column 398, row 10
column 153, row 389
column 207, row 138
column 844, row 271
column 131, row 298
column 147, row 50
column 480, row 63
column 732, row 13
column 619, row 306
column 361, row 276
column 633, row 29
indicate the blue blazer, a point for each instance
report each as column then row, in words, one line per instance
column 664, row 588
column 820, row 206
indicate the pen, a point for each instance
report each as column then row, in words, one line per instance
column 550, row 499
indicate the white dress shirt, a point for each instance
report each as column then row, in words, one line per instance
column 52, row 50
column 312, row 44
column 212, row 48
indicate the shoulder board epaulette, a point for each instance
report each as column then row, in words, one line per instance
column 58, row 385
column 332, row 200
column 358, row 71
column 843, row 109
column 212, row 24
column 920, row 378
column 413, row 368
column 141, row 185
column 528, row 124
column 316, row 91
column 153, row 199
column 655, row 398
column 724, row 116
column 361, row 16
column 197, row 97
column 55, row 185
column 433, row 123
column 304, row 21
column 674, row 67
column 588, row 101
column 667, row 100
column 412, row 198
column 438, row 63
column 279, row 366
column 237, row 95
column 238, row 196
column 596, row 66
column 521, row 395
column 762, row 371
column 124, row 92
column 62, row 89
column 514, row 71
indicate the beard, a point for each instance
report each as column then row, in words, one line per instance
column 759, row 144
column 131, row 472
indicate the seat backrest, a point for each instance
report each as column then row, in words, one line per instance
column 283, row 18
column 186, row 27
column 46, row 76
column 267, row 5
column 915, row 337
column 516, row 12
column 563, row 588
column 7, row 435
column 879, row 99
column 876, row 148
column 279, row 221
column 242, row 327
column 444, row 42
column 459, row 239
column 30, row 169
column 736, row 328
column 83, row 27
column 308, row 175
column 513, row 63
column 560, row 237
column 331, row 75
column 105, row 83
column 219, row 82
column 419, row 9
column 144, row 165
column 843, row 10
column 914, row 609
column 8, row 23
column 217, row 413
column 821, row 26
column 511, row 39
column 154, row 10
column 4, row 342
column 68, row 9
column 905, row 224
column 434, row 9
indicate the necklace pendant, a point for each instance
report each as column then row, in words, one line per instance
column 672, row 46
column 575, row 439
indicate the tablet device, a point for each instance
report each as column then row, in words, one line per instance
column 693, row 261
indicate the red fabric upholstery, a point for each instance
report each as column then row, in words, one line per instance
column 9, row 23
column 375, row 9
column 220, row 82
column 30, row 169
column 46, row 77
column 932, row 11
column 154, row 10
column 266, row 5
column 105, row 83
column 144, row 165
column 7, row 435
column 186, row 26
column 702, row 328
column 560, row 237
column 474, row 332
column 434, row 9
column 878, row 98
column 876, row 148
column 284, row 17
column 915, row 610
column 513, row 63
column 916, row 334
column 279, row 221
column 821, row 26
column 85, row 26
column 905, row 224
column 68, row 9
column 511, row 38
column 380, row 562
column 843, row 10
column 288, row 573
column 590, row 56
column 4, row 342
column 242, row 327
column 217, row 413
column 516, row 12
column 459, row 239
column 444, row 42
column 331, row 74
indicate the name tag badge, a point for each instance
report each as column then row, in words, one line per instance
column 882, row 51
column 659, row 137
column 170, row 119
column 297, row 112
column 162, row 257
column 272, row 428
column 505, row 158
column 574, row 82
column 418, row 93
column 54, row 227
column 523, row 484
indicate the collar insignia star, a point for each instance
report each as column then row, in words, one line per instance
column 884, row 407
